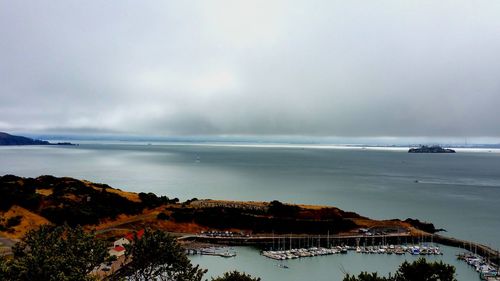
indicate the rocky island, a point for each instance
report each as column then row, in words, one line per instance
column 430, row 149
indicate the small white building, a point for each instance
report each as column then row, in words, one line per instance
column 121, row 242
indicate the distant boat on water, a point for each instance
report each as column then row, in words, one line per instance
column 431, row 149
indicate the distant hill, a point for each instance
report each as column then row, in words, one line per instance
column 7, row 139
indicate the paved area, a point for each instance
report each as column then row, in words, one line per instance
column 6, row 245
column 7, row 242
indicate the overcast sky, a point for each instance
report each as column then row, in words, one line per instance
column 304, row 68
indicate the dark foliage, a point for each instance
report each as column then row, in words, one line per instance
column 157, row 256
column 365, row 276
column 278, row 209
column 236, row 276
column 189, row 201
column 55, row 253
column 150, row 200
column 425, row 226
column 419, row 270
column 3, row 268
column 72, row 201
column 162, row 216
column 13, row 221
column 94, row 206
column 13, row 191
column 224, row 218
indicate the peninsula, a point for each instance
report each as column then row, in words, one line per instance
column 7, row 139
column 26, row 203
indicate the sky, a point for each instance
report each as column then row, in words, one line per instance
column 394, row 69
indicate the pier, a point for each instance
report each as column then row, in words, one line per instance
column 212, row 251
column 480, row 249
column 305, row 241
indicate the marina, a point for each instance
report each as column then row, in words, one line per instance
column 303, row 247
column 326, row 267
column 486, row 269
column 397, row 243
column 385, row 249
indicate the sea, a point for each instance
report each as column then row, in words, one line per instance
column 459, row 192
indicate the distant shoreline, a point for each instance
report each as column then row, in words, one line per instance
column 461, row 149
column 13, row 140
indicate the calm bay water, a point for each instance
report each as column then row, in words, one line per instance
column 458, row 192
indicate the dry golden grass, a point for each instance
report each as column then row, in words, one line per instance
column 148, row 218
column 29, row 221
column 45, row 192
column 132, row 196
column 200, row 203
column 314, row 207
column 368, row 223
column 179, row 227
column 204, row 202
column 71, row 197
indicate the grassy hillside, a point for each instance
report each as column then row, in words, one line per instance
column 26, row 203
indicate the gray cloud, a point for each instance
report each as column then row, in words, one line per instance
column 325, row 68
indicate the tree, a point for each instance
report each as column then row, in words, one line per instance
column 365, row 276
column 3, row 268
column 157, row 256
column 235, row 276
column 56, row 253
column 419, row 270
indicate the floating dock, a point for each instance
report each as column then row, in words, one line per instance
column 320, row 251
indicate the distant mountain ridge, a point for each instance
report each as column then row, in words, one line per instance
column 7, row 139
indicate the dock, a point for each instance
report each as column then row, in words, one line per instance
column 212, row 251
column 383, row 249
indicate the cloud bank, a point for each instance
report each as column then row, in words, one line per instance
column 321, row 68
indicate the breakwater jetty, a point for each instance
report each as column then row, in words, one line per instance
column 480, row 249
column 300, row 240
